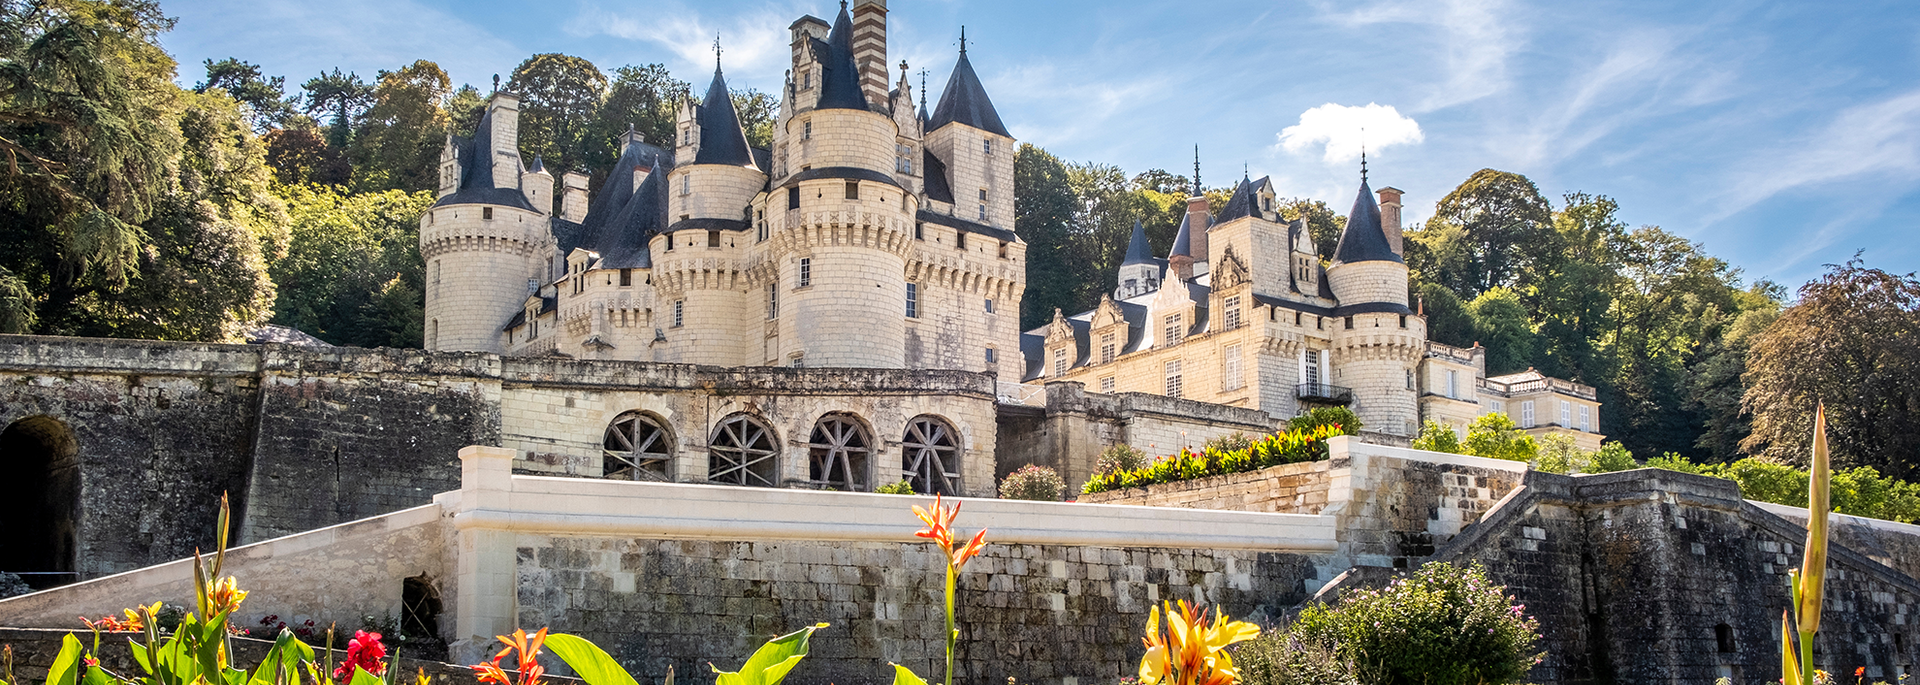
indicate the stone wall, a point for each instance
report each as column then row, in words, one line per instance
column 1289, row 488
column 1070, row 431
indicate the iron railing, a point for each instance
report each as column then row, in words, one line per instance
column 1322, row 392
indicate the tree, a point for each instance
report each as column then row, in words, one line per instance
column 353, row 274
column 265, row 97
column 1447, row 319
column 559, row 96
column 402, row 134
column 1504, row 219
column 1501, row 323
column 300, row 155
column 1106, row 207
column 464, row 109
column 1322, row 223
column 757, row 113
column 1714, row 387
column 88, row 129
column 1852, row 341
column 1437, row 437
column 1043, row 213
column 341, row 96
column 1671, row 300
column 1496, row 437
column 1570, row 287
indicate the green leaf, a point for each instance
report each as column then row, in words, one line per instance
column 362, row 677
column 904, row 676
column 770, row 664
column 97, row 676
column 66, row 664
column 588, row 660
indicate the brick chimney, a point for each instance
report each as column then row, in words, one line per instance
column 1390, row 217
column 573, row 196
column 870, row 48
column 1199, row 219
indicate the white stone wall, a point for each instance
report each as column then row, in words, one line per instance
column 1364, row 282
column 712, row 285
column 477, row 271
column 971, row 169
column 711, row 191
column 841, row 138
column 1374, row 358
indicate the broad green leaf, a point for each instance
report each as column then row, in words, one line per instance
column 904, row 676
column 771, row 663
column 66, row 665
column 588, row 660
column 362, row 677
column 97, row 676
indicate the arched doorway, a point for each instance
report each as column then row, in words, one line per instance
column 39, row 500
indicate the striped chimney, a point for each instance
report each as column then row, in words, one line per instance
column 870, row 48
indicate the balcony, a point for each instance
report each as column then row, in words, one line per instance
column 1323, row 393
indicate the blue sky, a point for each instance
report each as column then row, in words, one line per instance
column 1783, row 135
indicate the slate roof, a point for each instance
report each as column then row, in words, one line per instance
column 1241, row 205
column 1182, row 239
column 936, row 175
column 965, row 101
column 839, row 77
column 722, row 140
column 1137, row 246
column 968, row 226
column 1364, row 240
column 622, row 218
column 477, row 158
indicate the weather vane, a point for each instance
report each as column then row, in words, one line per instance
column 716, row 51
column 963, row 39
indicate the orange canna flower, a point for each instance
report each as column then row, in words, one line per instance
column 226, row 596
column 490, row 672
column 1191, row 651
column 939, row 522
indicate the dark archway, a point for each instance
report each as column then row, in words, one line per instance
column 40, row 501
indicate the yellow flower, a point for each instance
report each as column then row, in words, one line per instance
column 226, row 596
column 1191, row 651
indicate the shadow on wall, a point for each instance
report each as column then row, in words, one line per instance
column 39, row 500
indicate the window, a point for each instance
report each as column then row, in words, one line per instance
column 1453, row 384
column 1566, row 413
column 1349, row 323
column 686, row 136
column 1497, row 407
column 1230, row 376
column 919, row 231
column 1106, row 384
column 806, row 131
column 793, row 198
column 798, row 363
column 1723, row 637
column 773, row 300
column 989, row 305
column 636, row 447
column 1310, row 367
column 1173, row 329
column 760, row 218
column 626, row 278
column 1233, row 312
column 679, row 313
column 1403, row 321
column 806, row 271
column 806, row 80
column 486, row 213
column 959, row 240
column 990, row 358
column 1106, row 348
column 1173, row 378
column 669, row 242
column 686, row 184
column 930, row 456
column 913, row 300
column 1003, row 250
column 713, row 238
column 1059, row 362
column 1586, row 419
column 1526, row 414
column 837, row 453
column 987, row 146
column 983, row 212
column 436, row 273
column 743, row 451
column 853, row 190
column 433, row 335
column 1410, row 379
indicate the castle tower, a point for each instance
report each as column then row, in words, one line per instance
column 1140, row 272
column 870, row 48
column 481, row 240
column 1377, row 341
column 966, row 135
column 699, row 260
column 839, row 221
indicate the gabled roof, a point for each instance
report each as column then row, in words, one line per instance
column 476, row 171
column 839, row 77
column 623, row 218
column 965, row 102
column 1137, row 246
column 1364, row 240
column 1240, row 205
column 722, row 140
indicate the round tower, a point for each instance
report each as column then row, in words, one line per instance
column 1377, row 341
column 840, row 222
column 481, row 240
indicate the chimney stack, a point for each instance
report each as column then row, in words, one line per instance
column 573, row 196
column 1390, row 217
column 504, row 139
column 1199, row 220
column 870, row 49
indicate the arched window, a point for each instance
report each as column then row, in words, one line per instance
column 39, row 501
column 1723, row 635
column 637, row 447
column 837, row 453
column 930, row 456
column 743, row 452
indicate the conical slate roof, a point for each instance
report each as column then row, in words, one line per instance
column 476, row 170
column 1137, row 246
column 965, row 102
column 1364, row 240
column 839, row 78
column 1240, row 206
column 722, row 140
column 1183, row 239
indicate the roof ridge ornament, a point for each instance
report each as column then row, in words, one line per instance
column 1196, row 172
column 1363, row 154
column 963, row 37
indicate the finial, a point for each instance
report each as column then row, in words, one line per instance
column 716, row 52
column 1363, row 154
column 1196, row 171
column 923, row 87
column 963, row 40
column 903, row 70
column 496, row 83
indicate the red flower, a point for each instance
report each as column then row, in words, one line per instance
column 363, row 651
column 940, row 530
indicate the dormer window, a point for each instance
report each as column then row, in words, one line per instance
column 1173, row 329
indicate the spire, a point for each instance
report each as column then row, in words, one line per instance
column 923, row 99
column 963, row 40
column 538, row 166
column 1364, row 240
column 840, row 79
column 965, row 101
column 1196, row 172
column 1137, row 246
column 722, row 140
column 1363, row 163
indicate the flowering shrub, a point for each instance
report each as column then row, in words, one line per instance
column 1121, row 457
column 1033, row 482
column 904, row 487
column 1281, row 658
column 1341, row 418
column 1444, row 625
column 1192, row 651
column 1273, row 450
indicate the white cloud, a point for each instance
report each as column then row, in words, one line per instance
column 1472, row 39
column 1344, row 129
column 755, row 43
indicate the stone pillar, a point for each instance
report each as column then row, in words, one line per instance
column 484, row 602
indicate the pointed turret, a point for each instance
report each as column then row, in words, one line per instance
column 1137, row 246
column 722, row 140
column 965, row 101
column 1180, row 258
column 1241, row 205
column 840, row 77
column 1140, row 272
column 1364, row 240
